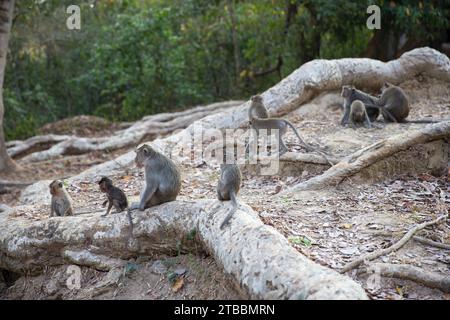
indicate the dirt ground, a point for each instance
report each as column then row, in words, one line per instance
column 147, row 278
column 330, row 227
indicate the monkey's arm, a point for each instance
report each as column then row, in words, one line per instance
column 150, row 189
column 346, row 116
column 104, row 203
column 52, row 209
column 367, row 122
column 110, row 204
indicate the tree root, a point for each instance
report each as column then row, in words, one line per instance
column 247, row 249
column 394, row 247
column 378, row 151
column 407, row 272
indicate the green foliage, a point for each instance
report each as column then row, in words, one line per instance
column 137, row 57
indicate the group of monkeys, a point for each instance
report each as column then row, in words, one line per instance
column 162, row 184
column 363, row 108
column 162, row 176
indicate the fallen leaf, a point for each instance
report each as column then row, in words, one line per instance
column 178, row 284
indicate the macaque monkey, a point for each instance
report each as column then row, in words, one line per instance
column 350, row 94
column 61, row 203
column 257, row 108
column 116, row 197
column 228, row 187
column 282, row 125
column 162, row 178
column 393, row 103
column 358, row 114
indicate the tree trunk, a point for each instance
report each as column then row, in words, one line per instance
column 237, row 64
column 6, row 13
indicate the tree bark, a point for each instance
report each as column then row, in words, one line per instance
column 257, row 256
column 407, row 272
column 6, row 15
column 234, row 34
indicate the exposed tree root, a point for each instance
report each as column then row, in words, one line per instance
column 394, row 247
column 259, row 258
column 408, row 272
column 52, row 146
column 7, row 186
column 374, row 153
column 36, row 143
column 432, row 243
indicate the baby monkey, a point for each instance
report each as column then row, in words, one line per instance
column 257, row 108
column 61, row 203
column 116, row 197
column 228, row 187
column 358, row 114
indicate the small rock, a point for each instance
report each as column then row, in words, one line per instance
column 180, row 271
column 158, row 267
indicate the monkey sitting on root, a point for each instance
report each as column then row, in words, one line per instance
column 161, row 175
column 116, row 197
column 61, row 203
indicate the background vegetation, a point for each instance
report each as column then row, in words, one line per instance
column 138, row 57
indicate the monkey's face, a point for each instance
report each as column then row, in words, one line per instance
column 55, row 187
column 102, row 186
column 385, row 86
column 142, row 154
column 346, row 91
column 104, row 183
column 256, row 98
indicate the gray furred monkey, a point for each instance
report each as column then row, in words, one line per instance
column 257, row 108
column 116, row 197
column 162, row 178
column 394, row 105
column 358, row 114
column 61, row 203
column 350, row 94
column 282, row 125
column 228, row 187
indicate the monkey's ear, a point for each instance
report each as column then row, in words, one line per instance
column 145, row 151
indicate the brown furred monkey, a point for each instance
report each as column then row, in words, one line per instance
column 116, row 197
column 61, row 203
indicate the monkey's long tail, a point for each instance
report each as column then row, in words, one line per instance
column 424, row 121
column 307, row 146
column 131, row 222
column 228, row 217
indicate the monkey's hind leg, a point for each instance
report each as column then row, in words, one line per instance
column 388, row 115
